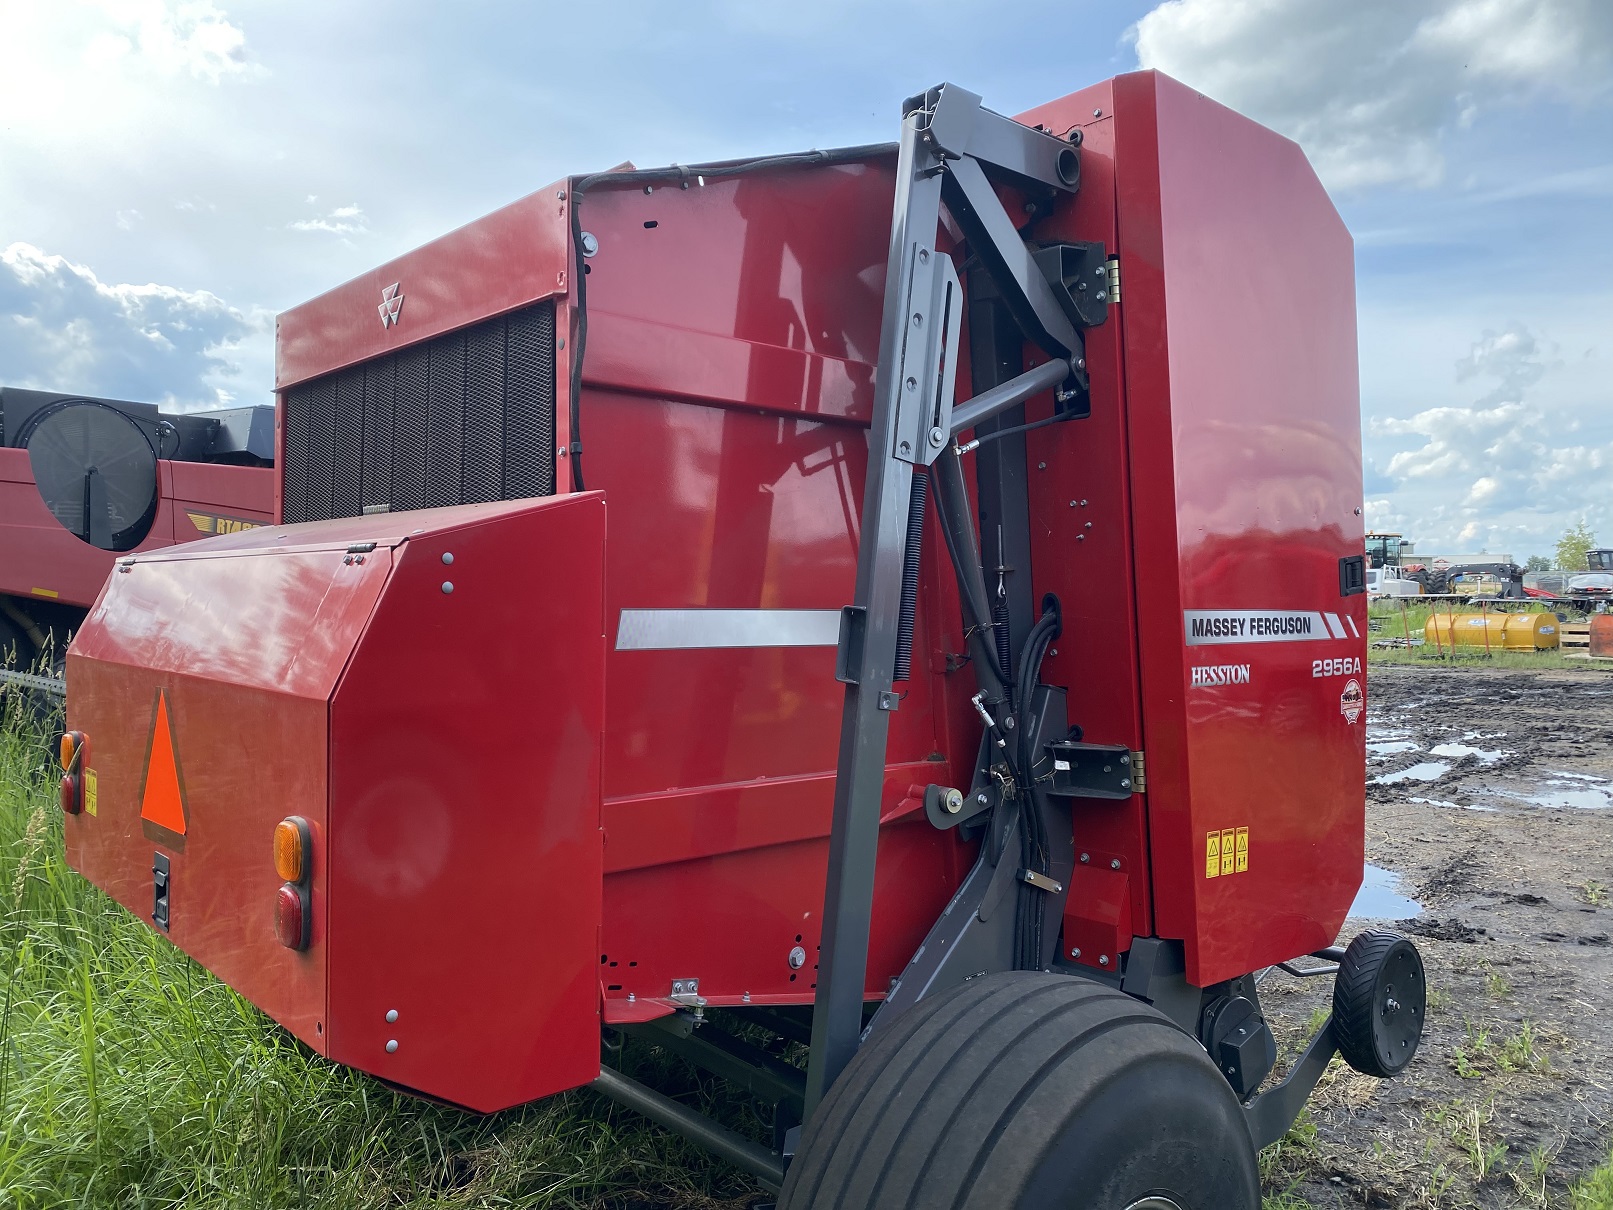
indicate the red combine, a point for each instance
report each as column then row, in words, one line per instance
column 545, row 712
column 83, row 479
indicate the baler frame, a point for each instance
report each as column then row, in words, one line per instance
column 994, row 949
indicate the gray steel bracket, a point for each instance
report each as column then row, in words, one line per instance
column 1272, row 1112
column 946, row 136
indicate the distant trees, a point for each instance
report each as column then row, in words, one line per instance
column 1573, row 546
column 1537, row 563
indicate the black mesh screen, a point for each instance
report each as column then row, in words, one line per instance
column 465, row 418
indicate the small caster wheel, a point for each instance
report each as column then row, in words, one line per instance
column 1380, row 1000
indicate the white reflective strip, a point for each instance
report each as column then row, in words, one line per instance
column 1336, row 626
column 677, row 629
column 1207, row 626
column 1351, row 622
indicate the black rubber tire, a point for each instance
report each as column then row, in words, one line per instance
column 1379, row 967
column 1027, row 1091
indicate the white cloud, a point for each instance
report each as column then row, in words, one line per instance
column 1371, row 88
column 344, row 220
column 1505, row 471
column 62, row 328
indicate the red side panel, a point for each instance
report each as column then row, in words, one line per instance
column 245, row 652
column 1238, row 311
column 1081, row 535
column 465, row 860
column 41, row 560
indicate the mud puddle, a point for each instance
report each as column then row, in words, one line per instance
column 1490, row 844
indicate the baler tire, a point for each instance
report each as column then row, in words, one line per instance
column 1028, row 1091
column 1377, row 1042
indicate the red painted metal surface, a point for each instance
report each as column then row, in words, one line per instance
column 732, row 330
column 1239, row 323
column 444, row 747
column 41, row 560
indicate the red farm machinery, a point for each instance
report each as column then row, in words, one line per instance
column 84, row 479
column 546, row 719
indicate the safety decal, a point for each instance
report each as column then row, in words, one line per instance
column 1207, row 626
column 1226, row 852
column 217, row 523
column 1351, row 701
column 89, row 792
column 163, row 814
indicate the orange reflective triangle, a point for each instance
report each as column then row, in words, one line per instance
column 162, row 802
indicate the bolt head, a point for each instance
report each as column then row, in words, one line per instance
column 1103, row 959
column 1102, row 294
column 391, row 1046
column 590, row 243
column 447, row 557
column 447, row 586
column 1114, row 863
column 797, row 958
column 1085, row 857
column 391, row 1015
column 1075, row 953
column 952, row 800
column 937, row 438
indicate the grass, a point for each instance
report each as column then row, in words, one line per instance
column 1595, row 1191
column 129, row 1077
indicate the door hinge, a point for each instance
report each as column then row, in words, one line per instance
column 1139, row 773
column 1114, row 281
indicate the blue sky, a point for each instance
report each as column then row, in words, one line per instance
column 174, row 172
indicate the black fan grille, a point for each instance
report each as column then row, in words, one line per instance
column 463, row 418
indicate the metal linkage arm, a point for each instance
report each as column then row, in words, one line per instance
column 1010, row 394
column 946, row 135
column 868, row 658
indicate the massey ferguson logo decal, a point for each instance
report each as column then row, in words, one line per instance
column 391, row 306
column 1351, row 701
column 1206, row 626
column 1221, row 674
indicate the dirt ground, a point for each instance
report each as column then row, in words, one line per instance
column 1490, row 808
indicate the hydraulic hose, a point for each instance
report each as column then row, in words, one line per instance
column 952, row 503
column 908, row 609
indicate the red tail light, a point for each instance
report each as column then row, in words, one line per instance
column 72, row 795
column 291, row 917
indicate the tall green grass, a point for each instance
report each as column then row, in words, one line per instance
column 129, row 1077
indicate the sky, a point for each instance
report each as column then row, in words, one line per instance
column 173, row 173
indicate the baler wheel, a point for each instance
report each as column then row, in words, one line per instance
column 1027, row 1090
column 1380, row 1001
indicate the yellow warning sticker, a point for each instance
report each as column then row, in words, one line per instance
column 89, row 791
column 214, row 523
column 1226, row 852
